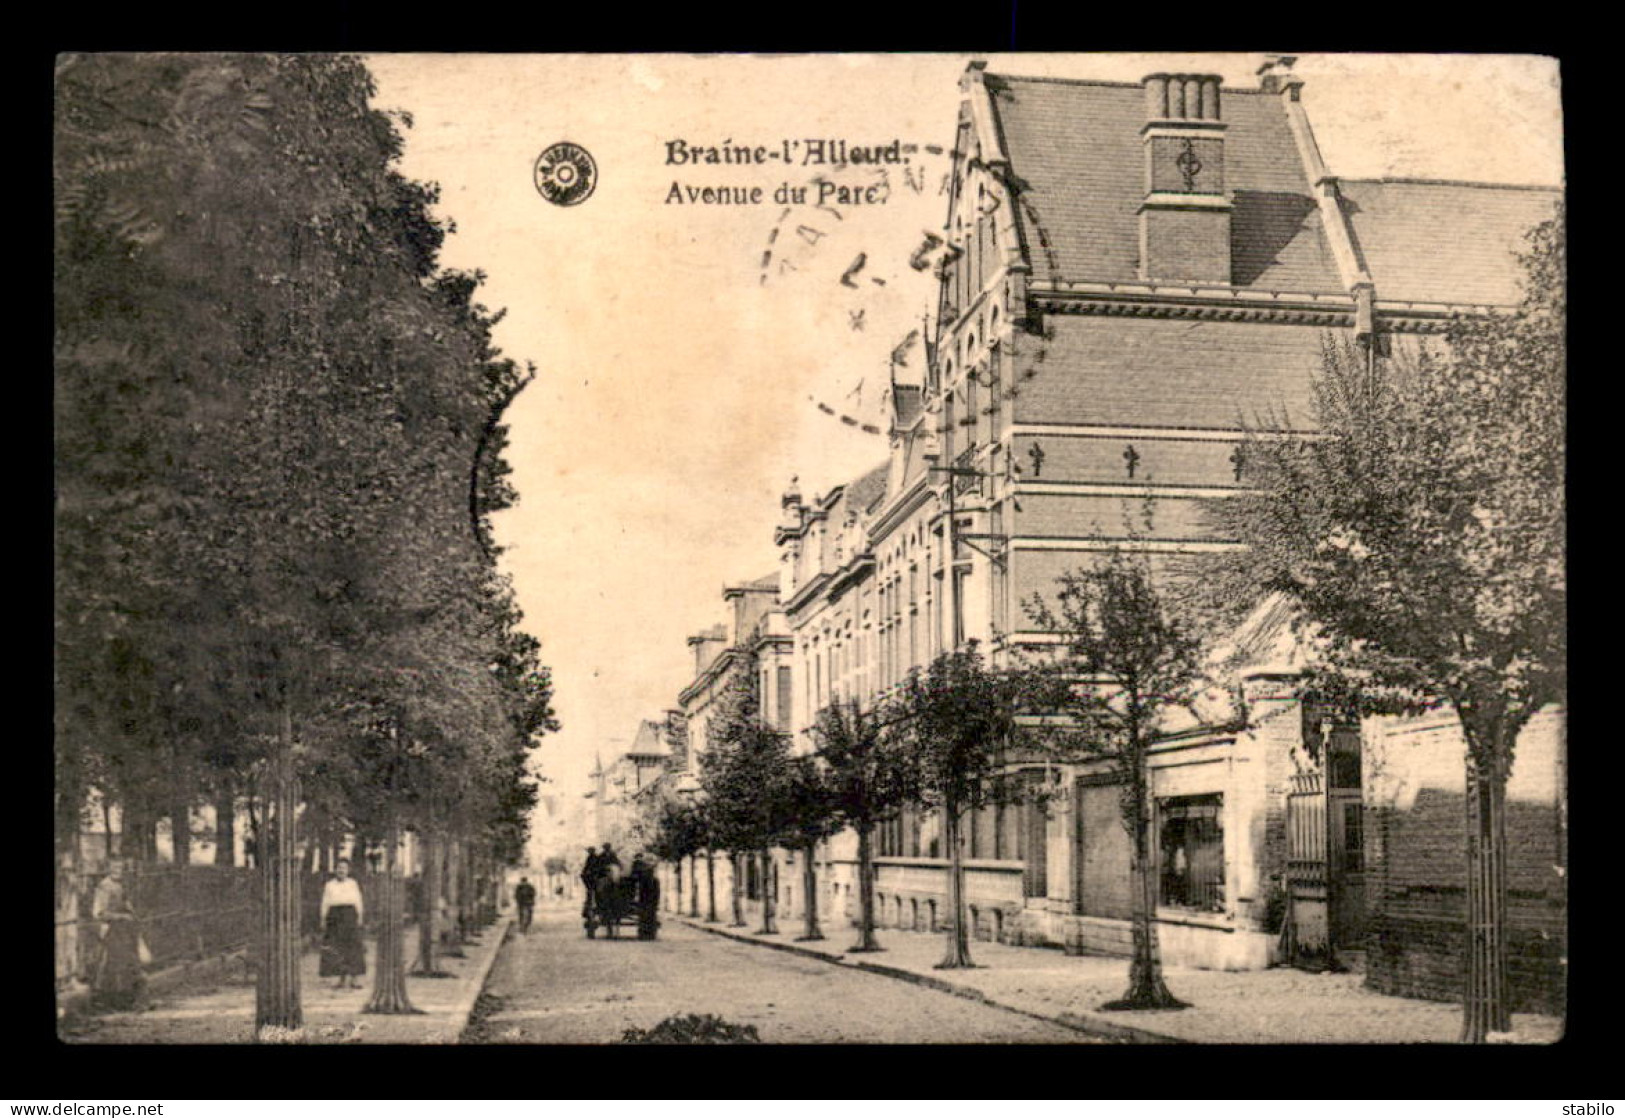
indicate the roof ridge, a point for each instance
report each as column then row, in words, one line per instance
column 1100, row 82
column 1065, row 81
column 1409, row 181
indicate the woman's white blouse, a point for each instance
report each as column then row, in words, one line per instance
column 337, row 892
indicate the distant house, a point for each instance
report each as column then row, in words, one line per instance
column 752, row 639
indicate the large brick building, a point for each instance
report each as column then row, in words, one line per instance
column 1135, row 271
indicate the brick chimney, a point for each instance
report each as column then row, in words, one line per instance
column 1185, row 218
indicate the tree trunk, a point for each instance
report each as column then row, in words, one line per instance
column 694, row 885
column 676, row 898
column 454, row 900
column 738, row 862
column 769, row 926
column 711, row 886
column 866, row 889
column 389, row 980
column 428, row 964
column 252, row 852
column 1486, row 1007
column 958, row 933
column 809, row 886
column 180, row 825
column 140, row 835
column 1146, row 988
column 225, row 828
column 276, row 1000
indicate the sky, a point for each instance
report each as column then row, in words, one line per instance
column 693, row 358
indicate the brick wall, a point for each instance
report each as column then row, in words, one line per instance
column 1416, row 864
column 1099, row 458
column 1186, row 245
column 1068, row 516
column 1152, row 372
column 1106, row 854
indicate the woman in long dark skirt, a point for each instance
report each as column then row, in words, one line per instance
column 117, row 980
column 343, row 955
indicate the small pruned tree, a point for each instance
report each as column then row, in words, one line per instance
column 675, row 831
column 956, row 719
column 1129, row 663
column 810, row 817
column 869, row 777
column 1422, row 537
column 746, row 778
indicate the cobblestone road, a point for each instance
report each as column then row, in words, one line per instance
column 555, row 986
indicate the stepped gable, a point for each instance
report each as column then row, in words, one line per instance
column 1444, row 242
column 1078, row 163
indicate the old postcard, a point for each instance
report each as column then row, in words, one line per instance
column 519, row 513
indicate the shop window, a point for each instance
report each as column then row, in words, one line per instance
column 1191, row 852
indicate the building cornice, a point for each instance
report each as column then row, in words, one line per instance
column 1148, row 433
column 712, row 672
column 1125, row 489
column 1218, row 304
column 862, row 564
column 806, row 593
column 1103, row 543
column 906, row 503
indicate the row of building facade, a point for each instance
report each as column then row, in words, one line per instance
column 1134, row 272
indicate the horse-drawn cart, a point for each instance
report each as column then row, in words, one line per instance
column 614, row 902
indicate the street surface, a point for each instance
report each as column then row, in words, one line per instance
column 555, row 986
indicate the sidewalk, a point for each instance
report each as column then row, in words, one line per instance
column 1278, row 1006
column 221, row 1011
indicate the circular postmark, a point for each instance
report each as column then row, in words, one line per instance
column 565, row 174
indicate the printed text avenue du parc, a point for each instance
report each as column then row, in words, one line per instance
column 834, row 153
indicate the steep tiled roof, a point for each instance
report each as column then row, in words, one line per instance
column 862, row 493
column 1078, row 160
column 906, row 404
column 766, row 582
column 1443, row 242
column 650, row 742
column 1153, row 372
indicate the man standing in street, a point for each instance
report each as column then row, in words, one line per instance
column 589, row 880
column 524, row 895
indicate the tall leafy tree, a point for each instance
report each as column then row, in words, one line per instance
column 1423, row 539
column 278, row 444
column 675, row 832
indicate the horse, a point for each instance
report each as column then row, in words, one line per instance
column 611, row 898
